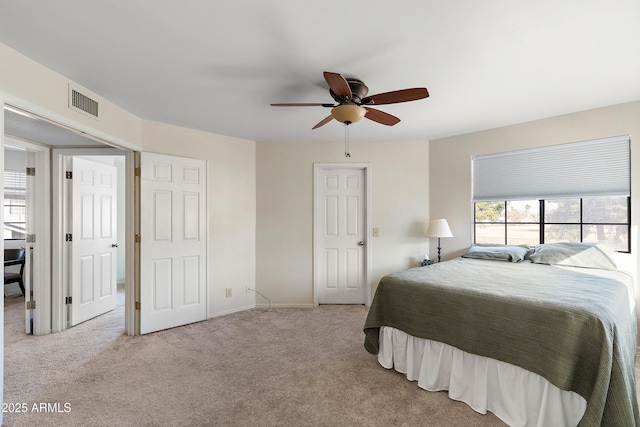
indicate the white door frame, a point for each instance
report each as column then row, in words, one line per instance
column 317, row 168
column 42, row 227
column 59, row 270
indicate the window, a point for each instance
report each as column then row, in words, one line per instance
column 507, row 222
column 15, row 189
column 604, row 220
column 577, row 192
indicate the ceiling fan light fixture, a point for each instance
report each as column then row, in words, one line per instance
column 348, row 113
column 351, row 94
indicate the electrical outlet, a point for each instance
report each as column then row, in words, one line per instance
column 228, row 292
column 376, row 232
column 246, row 289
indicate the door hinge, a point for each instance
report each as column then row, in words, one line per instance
column 137, row 305
column 68, row 300
column 31, row 172
column 137, row 238
column 68, row 237
column 68, row 175
column 30, row 238
column 137, row 172
column 31, row 305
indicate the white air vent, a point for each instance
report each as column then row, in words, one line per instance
column 82, row 103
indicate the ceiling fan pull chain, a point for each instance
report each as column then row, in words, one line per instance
column 346, row 140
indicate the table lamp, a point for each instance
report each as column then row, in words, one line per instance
column 439, row 228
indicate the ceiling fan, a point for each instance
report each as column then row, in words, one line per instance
column 353, row 103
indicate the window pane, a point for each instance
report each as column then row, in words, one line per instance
column 489, row 234
column 489, row 212
column 605, row 209
column 562, row 233
column 615, row 237
column 523, row 234
column 562, row 211
column 523, row 211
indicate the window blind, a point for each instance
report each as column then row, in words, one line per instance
column 15, row 184
column 600, row 167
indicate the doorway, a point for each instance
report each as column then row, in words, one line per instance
column 50, row 308
column 85, row 283
column 341, row 223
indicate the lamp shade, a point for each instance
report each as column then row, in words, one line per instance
column 348, row 113
column 439, row 228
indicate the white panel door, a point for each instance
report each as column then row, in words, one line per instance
column 93, row 240
column 173, row 242
column 340, row 216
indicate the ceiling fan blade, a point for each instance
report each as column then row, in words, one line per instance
column 323, row 122
column 381, row 117
column 303, row 104
column 403, row 95
column 338, row 85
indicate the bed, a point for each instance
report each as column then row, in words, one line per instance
column 542, row 339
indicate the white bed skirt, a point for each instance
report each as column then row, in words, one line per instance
column 518, row 397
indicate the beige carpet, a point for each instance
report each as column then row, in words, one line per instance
column 284, row 367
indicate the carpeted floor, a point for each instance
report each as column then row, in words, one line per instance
column 284, row 367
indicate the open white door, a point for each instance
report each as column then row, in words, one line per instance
column 173, row 241
column 93, row 240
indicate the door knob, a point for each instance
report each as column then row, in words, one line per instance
column 360, row 243
column 114, row 245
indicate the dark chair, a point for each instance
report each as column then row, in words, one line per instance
column 14, row 257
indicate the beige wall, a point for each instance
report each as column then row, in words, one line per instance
column 284, row 233
column 231, row 207
column 450, row 165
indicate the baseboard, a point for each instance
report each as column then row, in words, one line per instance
column 285, row 305
column 234, row 310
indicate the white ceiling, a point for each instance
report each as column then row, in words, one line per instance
column 216, row 66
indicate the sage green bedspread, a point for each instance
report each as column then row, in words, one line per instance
column 576, row 327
